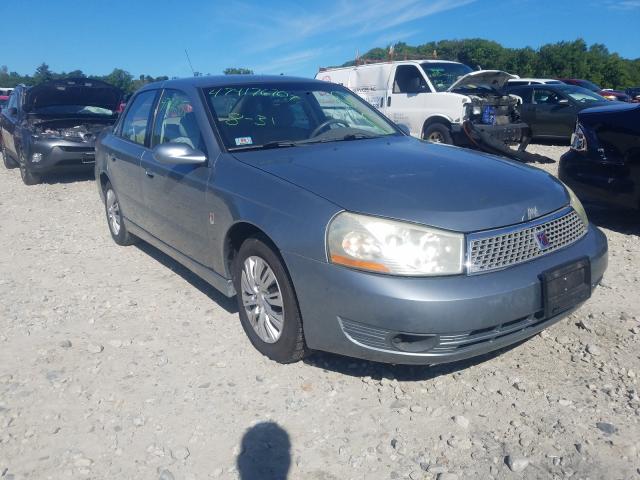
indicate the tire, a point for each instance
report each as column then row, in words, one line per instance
column 115, row 220
column 437, row 133
column 9, row 162
column 28, row 177
column 274, row 330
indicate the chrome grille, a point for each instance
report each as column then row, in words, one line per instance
column 502, row 248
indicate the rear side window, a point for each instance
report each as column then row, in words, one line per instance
column 136, row 122
column 523, row 93
column 176, row 122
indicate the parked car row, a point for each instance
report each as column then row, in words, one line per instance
column 334, row 229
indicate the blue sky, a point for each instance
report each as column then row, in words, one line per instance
column 281, row 36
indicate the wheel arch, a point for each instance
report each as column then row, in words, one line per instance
column 236, row 235
column 436, row 119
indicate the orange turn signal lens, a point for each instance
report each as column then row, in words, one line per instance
column 349, row 262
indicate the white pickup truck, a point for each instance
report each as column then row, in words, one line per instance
column 438, row 100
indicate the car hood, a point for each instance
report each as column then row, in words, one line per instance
column 407, row 179
column 494, row 79
column 73, row 91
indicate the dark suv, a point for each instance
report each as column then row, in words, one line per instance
column 53, row 126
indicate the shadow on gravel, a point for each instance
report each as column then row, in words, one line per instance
column 405, row 373
column 552, row 142
column 626, row 222
column 229, row 304
column 265, row 453
column 55, row 178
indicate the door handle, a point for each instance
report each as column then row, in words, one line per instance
column 389, row 101
column 149, row 173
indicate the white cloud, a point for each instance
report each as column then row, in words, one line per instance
column 268, row 29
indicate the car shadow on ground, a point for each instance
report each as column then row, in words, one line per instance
column 56, row 178
column 405, row 373
column 229, row 304
column 622, row 221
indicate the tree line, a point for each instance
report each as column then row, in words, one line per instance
column 555, row 60
column 118, row 77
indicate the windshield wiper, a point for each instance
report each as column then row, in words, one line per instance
column 358, row 136
column 268, row 145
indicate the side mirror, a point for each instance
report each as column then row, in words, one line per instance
column 563, row 102
column 174, row 153
column 404, row 129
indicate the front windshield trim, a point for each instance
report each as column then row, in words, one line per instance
column 374, row 119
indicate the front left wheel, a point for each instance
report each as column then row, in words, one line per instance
column 267, row 303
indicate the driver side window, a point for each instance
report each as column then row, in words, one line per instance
column 545, row 97
column 176, row 122
column 408, row 79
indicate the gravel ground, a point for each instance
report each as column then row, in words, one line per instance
column 118, row 363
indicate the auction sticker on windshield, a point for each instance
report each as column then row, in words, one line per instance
column 244, row 141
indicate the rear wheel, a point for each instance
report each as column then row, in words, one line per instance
column 437, row 133
column 267, row 303
column 115, row 220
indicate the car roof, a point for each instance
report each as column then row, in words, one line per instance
column 222, row 80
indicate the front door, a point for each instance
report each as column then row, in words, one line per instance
column 407, row 98
column 174, row 195
column 555, row 114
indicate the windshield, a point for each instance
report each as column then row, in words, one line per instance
column 443, row 75
column 260, row 115
column 582, row 95
column 73, row 110
column 589, row 85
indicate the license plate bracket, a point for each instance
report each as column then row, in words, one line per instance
column 566, row 286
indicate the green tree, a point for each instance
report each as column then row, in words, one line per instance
column 119, row 78
column 43, row 74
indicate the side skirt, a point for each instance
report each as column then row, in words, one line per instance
column 224, row 285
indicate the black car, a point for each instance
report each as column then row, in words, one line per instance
column 603, row 164
column 551, row 110
column 53, row 126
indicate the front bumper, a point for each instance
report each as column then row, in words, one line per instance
column 47, row 155
column 511, row 134
column 443, row 319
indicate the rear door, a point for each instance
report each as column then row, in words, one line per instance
column 527, row 109
column 123, row 151
column 174, row 195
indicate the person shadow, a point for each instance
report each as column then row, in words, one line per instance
column 265, row 453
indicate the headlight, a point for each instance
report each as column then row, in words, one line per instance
column 398, row 248
column 579, row 139
column 576, row 204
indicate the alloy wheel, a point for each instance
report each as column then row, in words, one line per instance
column 436, row 137
column 262, row 299
column 113, row 212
